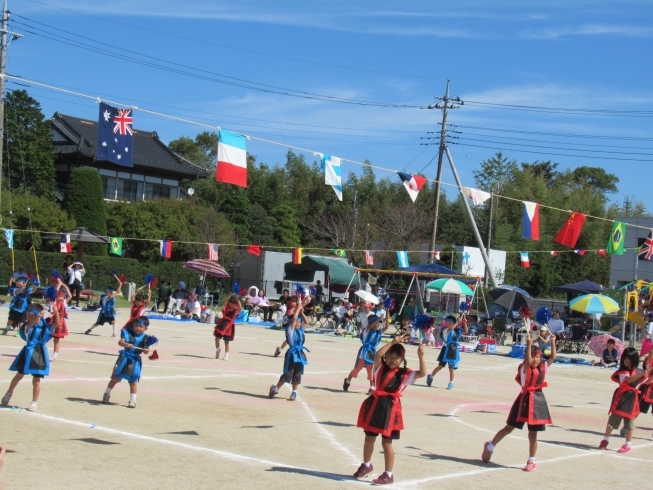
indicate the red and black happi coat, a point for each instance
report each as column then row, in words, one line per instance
column 646, row 389
column 381, row 411
column 625, row 400
column 225, row 325
column 135, row 312
column 62, row 330
column 532, row 407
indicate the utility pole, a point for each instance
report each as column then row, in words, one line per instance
column 445, row 103
column 489, row 236
column 3, row 71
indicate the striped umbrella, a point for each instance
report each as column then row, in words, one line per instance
column 206, row 267
column 594, row 303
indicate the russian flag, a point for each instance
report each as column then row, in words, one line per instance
column 232, row 159
column 165, row 247
column 530, row 227
column 412, row 183
column 525, row 262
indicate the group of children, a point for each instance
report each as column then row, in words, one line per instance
column 380, row 413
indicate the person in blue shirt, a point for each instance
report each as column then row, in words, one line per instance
column 295, row 359
column 449, row 354
column 108, row 310
column 134, row 342
column 33, row 359
column 19, row 303
column 370, row 338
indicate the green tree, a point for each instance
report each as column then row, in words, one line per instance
column 202, row 151
column 286, row 230
column 84, row 201
column 29, row 154
column 261, row 226
column 495, row 173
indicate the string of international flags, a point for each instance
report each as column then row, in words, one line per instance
column 115, row 144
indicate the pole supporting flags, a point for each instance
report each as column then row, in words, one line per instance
column 231, row 167
column 530, row 227
column 402, row 259
column 296, row 255
column 570, row 231
column 115, row 246
column 165, row 248
column 617, row 238
column 64, row 244
column 525, row 261
column 332, row 174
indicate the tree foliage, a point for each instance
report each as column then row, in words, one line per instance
column 28, row 151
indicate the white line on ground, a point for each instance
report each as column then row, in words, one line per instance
column 329, row 435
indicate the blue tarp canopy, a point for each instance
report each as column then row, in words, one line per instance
column 585, row 286
column 437, row 269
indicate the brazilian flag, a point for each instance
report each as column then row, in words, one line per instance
column 617, row 238
column 115, row 248
column 339, row 252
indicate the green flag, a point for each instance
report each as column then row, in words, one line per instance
column 617, row 238
column 339, row 252
column 116, row 246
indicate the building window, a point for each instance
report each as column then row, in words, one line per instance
column 157, row 191
column 109, row 187
column 128, row 190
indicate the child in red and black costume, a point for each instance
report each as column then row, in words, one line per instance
column 61, row 330
column 530, row 407
column 646, row 392
column 625, row 400
column 381, row 413
column 139, row 305
column 225, row 327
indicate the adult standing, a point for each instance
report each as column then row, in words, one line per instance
column 68, row 261
column 319, row 291
column 76, row 273
column 557, row 326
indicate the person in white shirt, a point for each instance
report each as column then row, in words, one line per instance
column 649, row 326
column 362, row 316
column 193, row 309
column 557, row 326
column 18, row 274
column 76, row 272
column 341, row 315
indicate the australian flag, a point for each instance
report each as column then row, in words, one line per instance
column 114, row 142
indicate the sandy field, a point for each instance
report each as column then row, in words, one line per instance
column 207, row 423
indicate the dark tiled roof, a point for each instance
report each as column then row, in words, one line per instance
column 150, row 154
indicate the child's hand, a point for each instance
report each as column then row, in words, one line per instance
column 553, row 338
column 529, row 341
column 146, row 351
column 420, row 350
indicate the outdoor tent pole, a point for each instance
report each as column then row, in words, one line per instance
column 350, row 281
column 421, row 303
column 623, row 327
column 406, row 297
column 479, row 241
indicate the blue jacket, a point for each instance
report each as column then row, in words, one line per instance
column 34, row 357
column 295, row 353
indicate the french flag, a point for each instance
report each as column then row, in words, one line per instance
column 525, row 262
column 165, row 247
column 412, row 183
column 530, row 227
column 232, row 159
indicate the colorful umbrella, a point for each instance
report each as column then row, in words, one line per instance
column 207, row 267
column 451, row 286
column 598, row 344
column 594, row 303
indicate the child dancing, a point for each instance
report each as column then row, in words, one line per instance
column 625, row 400
column 61, row 330
column 134, row 342
column 19, row 302
column 449, row 353
column 139, row 305
column 33, row 358
column 530, row 407
column 295, row 359
column 225, row 327
column 108, row 309
column 381, row 413
column 370, row 338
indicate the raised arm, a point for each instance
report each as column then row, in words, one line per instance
column 422, row 362
column 149, row 294
column 554, row 355
column 386, row 323
column 381, row 352
column 527, row 353
column 463, row 320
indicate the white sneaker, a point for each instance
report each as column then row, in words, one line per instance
column 6, row 399
column 105, row 398
column 32, row 407
column 52, row 359
column 217, row 353
column 226, row 357
column 132, row 404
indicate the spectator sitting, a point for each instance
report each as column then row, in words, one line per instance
column 249, row 298
column 411, row 310
column 341, row 315
column 165, row 290
column 192, row 308
column 610, row 357
column 544, row 341
column 406, row 327
column 309, row 305
column 378, row 291
column 177, row 297
column 262, row 302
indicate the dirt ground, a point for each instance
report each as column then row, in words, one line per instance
column 207, row 423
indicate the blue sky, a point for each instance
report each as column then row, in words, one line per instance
column 571, row 55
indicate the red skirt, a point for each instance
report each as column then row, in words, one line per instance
column 625, row 403
column 647, row 393
column 61, row 331
column 225, row 329
column 381, row 413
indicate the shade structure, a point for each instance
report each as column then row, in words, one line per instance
column 594, row 304
column 206, row 267
column 585, row 286
column 367, row 297
column 81, row 235
column 340, row 274
column 450, row 286
column 512, row 298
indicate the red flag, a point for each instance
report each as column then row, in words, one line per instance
column 254, row 250
column 554, row 253
column 570, row 231
column 601, row 252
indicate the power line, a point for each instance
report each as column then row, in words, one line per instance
column 541, row 133
column 562, row 110
column 245, row 50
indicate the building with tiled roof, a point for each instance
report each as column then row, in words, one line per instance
column 158, row 172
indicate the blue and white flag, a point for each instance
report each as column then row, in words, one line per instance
column 332, row 175
column 9, row 236
column 114, row 140
column 402, row 259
